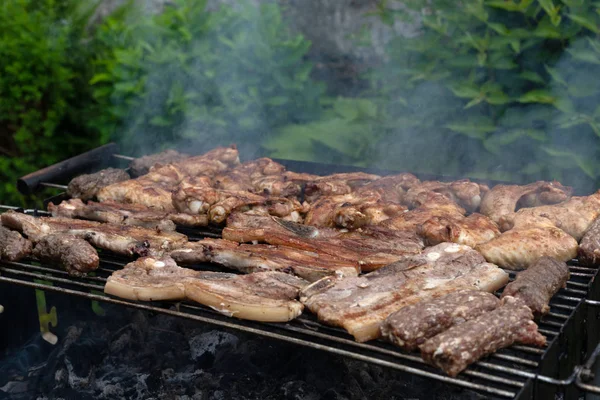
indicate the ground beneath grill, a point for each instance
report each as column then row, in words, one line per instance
column 132, row 355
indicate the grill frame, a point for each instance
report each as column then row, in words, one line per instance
column 557, row 364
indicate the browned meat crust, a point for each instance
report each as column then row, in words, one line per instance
column 463, row 192
column 537, row 284
column 13, row 246
column 75, row 255
column 361, row 304
column 589, row 247
column 413, row 325
column 461, row 345
column 260, row 257
column 503, row 200
column 88, row 185
column 141, row 166
column 471, row 231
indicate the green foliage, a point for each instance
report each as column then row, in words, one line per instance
column 42, row 84
column 491, row 89
column 189, row 74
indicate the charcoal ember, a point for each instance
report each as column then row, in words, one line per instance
column 298, row 390
column 208, row 344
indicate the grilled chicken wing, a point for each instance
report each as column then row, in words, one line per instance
column 573, row 216
column 141, row 166
column 336, row 184
column 503, row 200
column 519, row 248
column 471, row 231
column 463, row 192
column 429, row 205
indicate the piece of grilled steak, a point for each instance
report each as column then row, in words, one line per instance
column 121, row 239
column 361, row 304
column 503, row 200
column 461, row 345
column 260, row 296
column 369, row 251
column 413, row 325
column 537, row 284
column 74, row 254
column 248, row 258
column 140, row 166
column 87, row 186
column 519, row 248
column 13, row 246
column 589, row 247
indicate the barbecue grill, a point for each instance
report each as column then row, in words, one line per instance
column 519, row 372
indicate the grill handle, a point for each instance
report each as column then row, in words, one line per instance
column 64, row 170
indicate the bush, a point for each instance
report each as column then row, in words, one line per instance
column 42, row 87
column 192, row 76
column 491, row 89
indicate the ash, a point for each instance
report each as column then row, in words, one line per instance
column 137, row 356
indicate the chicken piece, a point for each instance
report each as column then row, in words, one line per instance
column 519, row 248
column 13, row 246
column 471, row 231
column 392, row 188
column 74, row 254
column 260, row 257
column 537, row 284
column 87, row 186
column 504, row 200
column 361, row 304
column 370, row 252
column 589, row 247
column 429, row 205
column 353, row 217
column 463, row 192
column 461, row 345
column 211, row 163
column 135, row 192
column 140, row 166
column 573, row 216
column 121, row 239
column 336, row 184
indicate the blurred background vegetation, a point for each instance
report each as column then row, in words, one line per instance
column 487, row 89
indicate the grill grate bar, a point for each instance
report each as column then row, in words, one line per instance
column 232, row 324
column 53, row 271
column 527, row 349
column 51, row 278
column 578, row 284
column 557, row 315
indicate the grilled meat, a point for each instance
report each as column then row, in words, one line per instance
column 573, row 216
column 87, row 186
column 74, row 254
column 154, row 188
column 392, row 188
column 125, row 214
column 361, row 304
column 13, row 246
column 463, row 192
column 589, row 247
column 429, row 205
column 461, row 345
column 352, row 210
column 115, row 213
column 336, row 184
column 537, row 284
column 503, row 200
column 255, row 258
column 471, row 231
column 121, row 239
column 411, row 326
column 141, row 166
column 519, row 248
column 370, row 252
column 150, row 279
column 261, row 296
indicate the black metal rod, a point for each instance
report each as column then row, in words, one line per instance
column 66, row 169
column 272, row 335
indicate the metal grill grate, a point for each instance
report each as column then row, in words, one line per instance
column 509, row 373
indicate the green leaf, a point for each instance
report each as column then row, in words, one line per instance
column 585, row 21
column 532, row 76
column 537, row 96
column 102, row 77
column 584, row 55
column 553, row 72
column 475, row 127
